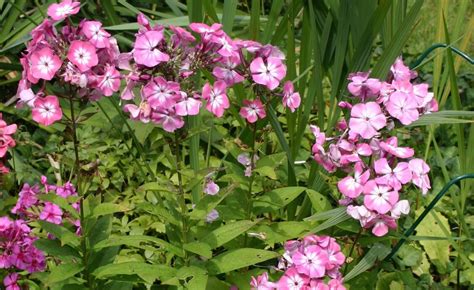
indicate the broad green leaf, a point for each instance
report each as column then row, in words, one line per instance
column 226, row 233
column 147, row 272
column 230, row 7
column 437, row 251
column 208, row 203
column 108, row 208
column 138, row 241
column 377, row 253
column 63, row 272
column 199, row 280
column 54, row 248
column 276, row 199
column 280, row 232
column 238, row 258
column 199, row 248
column 64, row 235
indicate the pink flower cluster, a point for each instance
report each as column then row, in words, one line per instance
column 30, row 206
column 81, row 57
column 6, row 141
column 18, row 250
column 312, row 263
column 378, row 168
column 162, row 65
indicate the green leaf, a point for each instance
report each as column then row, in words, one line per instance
column 239, row 258
column 226, row 233
column 199, row 248
column 61, row 202
column 199, row 280
column 230, row 7
column 54, row 248
column 148, row 272
column 377, row 253
column 138, row 241
column 63, row 272
column 279, row 232
column 108, row 208
column 206, row 204
column 276, row 199
column 64, row 235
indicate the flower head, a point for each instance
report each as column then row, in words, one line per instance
column 44, row 64
column 216, row 97
column 366, row 119
column 268, row 73
column 46, row 110
column 63, row 9
column 291, row 99
column 83, row 55
column 145, row 49
column 252, row 110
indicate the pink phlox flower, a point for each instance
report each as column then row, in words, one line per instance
column 311, row 262
column 335, row 257
column 83, row 55
column 6, row 140
column 145, row 50
column 380, row 198
column 217, row 101
column 227, row 71
column 401, row 72
column 160, row 93
column 268, row 73
column 168, row 119
column 404, row 107
column 66, row 190
column 26, row 198
column 317, row 284
column 64, row 9
column 142, row 112
column 95, row 34
column 46, row 110
column 211, row 188
column 420, row 170
column 401, row 207
column 432, row 106
column 268, row 50
column 360, row 213
column 207, row 31
column 292, row 280
column 352, row 187
column 187, row 106
column 366, row 119
column 291, row 99
column 246, row 161
column 391, row 146
column 395, row 177
column 10, row 282
column 362, row 86
column 28, row 97
column 181, row 36
column 109, row 82
column 252, row 110
column 381, row 224
column 226, row 46
column 44, row 64
column 320, row 138
column 336, row 284
column 423, row 97
column 262, row 283
column 51, row 213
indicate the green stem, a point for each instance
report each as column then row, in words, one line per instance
column 252, row 177
column 352, row 250
column 181, row 197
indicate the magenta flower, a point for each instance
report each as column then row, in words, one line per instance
column 109, row 82
column 352, row 187
column 10, row 282
column 227, row 71
column 51, row 213
column 202, row 28
column 95, row 34
column 291, row 99
column 145, row 49
column 262, row 283
column 362, row 86
column 83, row 55
column 366, row 119
column 47, row 110
column 44, row 64
column 268, row 73
column 6, row 140
column 292, row 280
column 160, row 93
column 217, row 101
column 312, row 262
column 379, row 198
column 63, row 9
column 420, row 170
column 404, row 107
column 252, row 111
column 142, row 112
column 395, row 177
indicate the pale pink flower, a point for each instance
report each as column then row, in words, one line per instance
column 391, row 146
column 161, row 93
column 145, row 49
column 381, row 224
column 168, row 119
column 317, row 284
column 401, row 72
column 336, row 284
column 28, row 97
column 403, row 106
column 352, row 187
column 142, row 112
column 212, row 216
column 262, row 283
column 211, row 188
column 420, row 170
column 44, row 64
column 96, row 35
column 423, row 97
column 202, row 28
column 268, row 73
column 187, row 106
column 216, row 98
column 109, row 82
column 252, row 111
column 46, row 110
column 83, row 55
column 366, row 119
column 312, row 262
column 51, row 213
column 401, row 207
column 362, row 86
column 292, row 280
column 291, row 99
column 335, row 257
column 395, row 177
column 379, row 198
column 64, row 9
